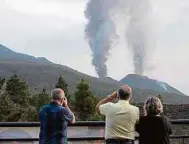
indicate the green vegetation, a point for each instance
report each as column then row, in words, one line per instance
column 2, row 81
column 63, row 85
column 18, row 90
column 85, row 101
column 40, row 99
column 18, row 104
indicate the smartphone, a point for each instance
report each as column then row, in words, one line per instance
column 63, row 103
column 117, row 95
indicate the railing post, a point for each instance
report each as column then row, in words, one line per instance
column 183, row 141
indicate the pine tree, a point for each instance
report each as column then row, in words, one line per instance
column 40, row 99
column 28, row 114
column 84, row 101
column 9, row 111
column 18, row 90
column 64, row 86
column 2, row 81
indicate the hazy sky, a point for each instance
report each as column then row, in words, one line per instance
column 55, row 29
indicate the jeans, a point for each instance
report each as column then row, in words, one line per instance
column 119, row 141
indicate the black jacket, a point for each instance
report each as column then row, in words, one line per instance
column 154, row 130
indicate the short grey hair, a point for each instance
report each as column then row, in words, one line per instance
column 57, row 94
column 153, row 106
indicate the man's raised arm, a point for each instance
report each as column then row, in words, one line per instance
column 104, row 101
column 73, row 116
column 70, row 115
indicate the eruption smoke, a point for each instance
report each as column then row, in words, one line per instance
column 100, row 32
column 138, row 32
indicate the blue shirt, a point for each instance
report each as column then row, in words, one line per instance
column 54, row 119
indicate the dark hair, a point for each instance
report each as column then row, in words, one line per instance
column 123, row 94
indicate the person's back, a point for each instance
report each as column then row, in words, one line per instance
column 54, row 119
column 121, row 117
column 121, row 120
column 154, row 130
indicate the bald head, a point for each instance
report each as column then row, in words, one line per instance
column 57, row 94
column 124, row 92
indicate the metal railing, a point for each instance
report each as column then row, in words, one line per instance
column 80, row 124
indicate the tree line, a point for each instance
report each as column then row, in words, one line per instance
column 18, row 103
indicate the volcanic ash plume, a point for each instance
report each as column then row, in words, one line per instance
column 100, row 32
column 137, row 33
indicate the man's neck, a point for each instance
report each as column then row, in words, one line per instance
column 125, row 101
column 57, row 102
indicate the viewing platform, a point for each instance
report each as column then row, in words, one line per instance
column 88, row 132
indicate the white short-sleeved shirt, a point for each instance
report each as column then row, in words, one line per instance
column 121, row 118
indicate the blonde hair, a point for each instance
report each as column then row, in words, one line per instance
column 153, row 106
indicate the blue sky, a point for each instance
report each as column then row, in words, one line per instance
column 55, row 29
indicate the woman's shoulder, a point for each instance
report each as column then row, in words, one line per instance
column 162, row 117
column 146, row 118
column 165, row 118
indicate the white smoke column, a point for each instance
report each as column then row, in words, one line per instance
column 138, row 32
column 100, row 32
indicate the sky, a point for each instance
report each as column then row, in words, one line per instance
column 55, row 29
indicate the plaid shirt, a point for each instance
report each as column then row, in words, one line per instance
column 53, row 124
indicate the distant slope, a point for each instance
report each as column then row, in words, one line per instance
column 38, row 76
column 40, row 73
column 8, row 54
column 143, row 82
column 140, row 95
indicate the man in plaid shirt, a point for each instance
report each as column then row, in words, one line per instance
column 54, row 118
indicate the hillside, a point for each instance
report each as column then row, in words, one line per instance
column 143, row 82
column 8, row 54
column 39, row 76
column 42, row 73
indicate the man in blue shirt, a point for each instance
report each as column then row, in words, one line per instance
column 54, row 118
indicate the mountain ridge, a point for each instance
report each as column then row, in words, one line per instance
column 144, row 82
column 39, row 74
column 8, row 54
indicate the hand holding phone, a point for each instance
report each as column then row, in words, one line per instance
column 65, row 102
column 113, row 95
